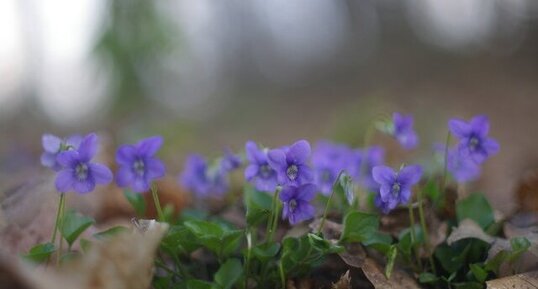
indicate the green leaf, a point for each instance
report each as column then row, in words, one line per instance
column 391, row 258
column 137, row 202
column 344, row 187
column 494, row 263
column 110, row 232
column 299, row 256
column 179, row 240
column 519, row 246
column 427, row 277
column 40, row 252
column 258, row 205
column 478, row 272
column 359, row 227
column 431, row 190
column 198, row 284
column 468, row 285
column 266, row 251
column 477, row 208
column 451, row 257
column 228, row 274
column 323, row 245
column 85, row 245
column 73, row 225
column 215, row 237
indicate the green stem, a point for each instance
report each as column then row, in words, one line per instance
column 445, row 167
column 276, row 214
column 282, row 275
column 413, row 235
column 160, row 214
column 247, row 258
column 425, row 231
column 56, row 223
column 326, row 211
column 60, row 224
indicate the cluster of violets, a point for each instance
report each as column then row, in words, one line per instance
column 295, row 172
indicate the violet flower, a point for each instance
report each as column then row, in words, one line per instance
column 230, row 161
column 462, row 168
column 291, row 165
column 361, row 165
column 473, row 136
column 296, row 200
column 328, row 160
column 395, row 187
column 78, row 172
column 202, row 180
column 53, row 145
column 258, row 171
column 403, row 131
column 138, row 166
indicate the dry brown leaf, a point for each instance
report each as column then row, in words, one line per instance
column 520, row 281
column 344, row 282
column 468, row 229
column 122, row 262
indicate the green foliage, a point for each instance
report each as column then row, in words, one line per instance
column 110, row 232
column 40, row 252
column 73, row 225
column 258, row 205
column 359, row 227
column 477, row 208
column 343, row 187
column 228, row 274
column 137, row 202
column 216, row 237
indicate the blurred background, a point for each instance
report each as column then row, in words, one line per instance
column 213, row 74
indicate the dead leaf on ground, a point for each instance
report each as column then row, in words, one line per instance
column 520, row 281
column 344, row 282
column 468, row 229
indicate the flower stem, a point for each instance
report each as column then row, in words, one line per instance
column 326, row 211
column 274, row 215
column 56, row 223
column 247, row 257
column 59, row 227
column 413, row 235
column 425, row 231
column 155, row 196
column 282, row 275
column 445, row 167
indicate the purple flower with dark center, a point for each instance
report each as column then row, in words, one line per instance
column 403, row 131
column 202, row 180
column 473, row 136
column 291, row 165
column 395, row 187
column 296, row 200
column 54, row 145
column 328, row 160
column 361, row 165
column 78, row 172
column 230, row 161
column 259, row 172
column 138, row 164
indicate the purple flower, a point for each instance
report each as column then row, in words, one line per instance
column 201, row 179
column 462, row 168
column 296, row 200
column 78, row 173
column 403, row 131
column 230, row 161
column 395, row 187
column 362, row 163
column 291, row 165
column 138, row 165
column 54, row 145
column 328, row 160
column 473, row 136
column 259, row 172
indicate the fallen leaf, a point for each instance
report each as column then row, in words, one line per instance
column 520, row 281
column 344, row 282
column 468, row 229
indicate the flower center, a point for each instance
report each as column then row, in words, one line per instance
column 265, row 171
column 293, row 205
column 473, row 143
column 292, row 172
column 81, row 171
column 138, row 167
column 396, row 189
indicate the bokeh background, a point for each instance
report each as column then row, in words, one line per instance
column 212, row 74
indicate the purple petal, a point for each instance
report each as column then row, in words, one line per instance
column 64, row 180
column 266, row 185
column 68, row 158
column 277, row 159
column 88, row 147
column 385, row 192
column 383, row 175
column 306, row 175
column 101, row 174
column 408, row 140
column 299, row 152
column 459, row 127
column 83, row 187
column 140, row 185
column 149, row 146
column 285, row 211
column 51, row 143
column 74, row 141
column 410, row 175
column 402, row 122
column 306, row 192
column 288, row 193
column 491, row 146
column 126, row 155
column 154, row 169
column 49, row 160
column 405, row 195
column 251, row 150
column 124, row 176
column 304, row 211
column 250, row 172
column 480, row 125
